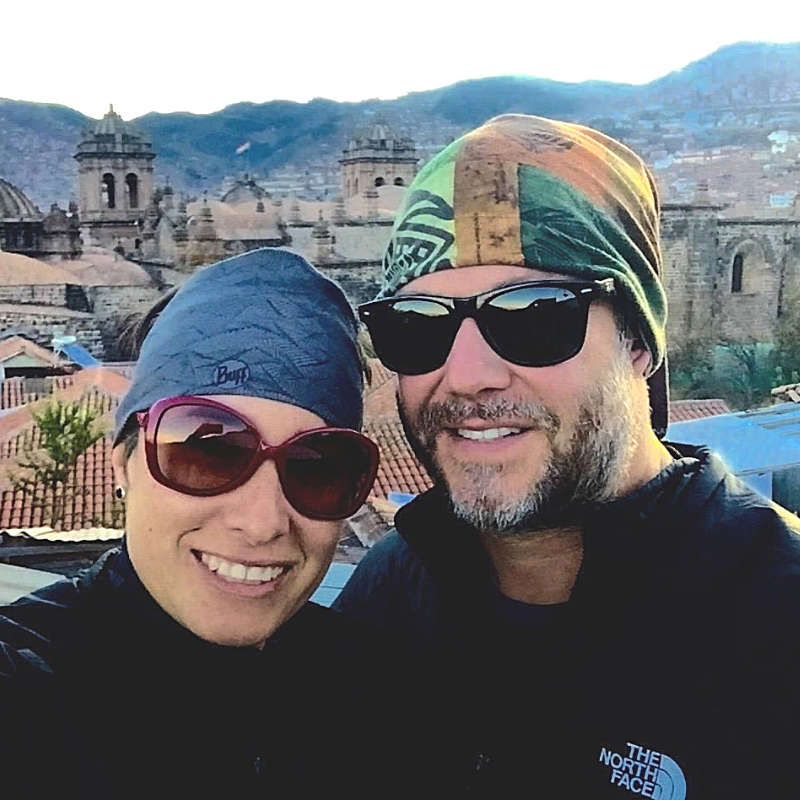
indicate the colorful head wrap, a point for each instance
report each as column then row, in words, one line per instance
column 534, row 192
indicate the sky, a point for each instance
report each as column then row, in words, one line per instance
column 173, row 55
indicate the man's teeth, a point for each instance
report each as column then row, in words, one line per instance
column 232, row 571
column 489, row 433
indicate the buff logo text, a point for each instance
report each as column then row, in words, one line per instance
column 231, row 372
column 647, row 773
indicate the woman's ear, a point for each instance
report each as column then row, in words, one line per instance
column 119, row 463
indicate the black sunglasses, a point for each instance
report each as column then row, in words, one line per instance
column 534, row 324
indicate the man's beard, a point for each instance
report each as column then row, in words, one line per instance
column 588, row 468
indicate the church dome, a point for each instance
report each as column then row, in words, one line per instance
column 112, row 124
column 15, row 205
column 113, row 136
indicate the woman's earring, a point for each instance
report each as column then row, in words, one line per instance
column 119, row 493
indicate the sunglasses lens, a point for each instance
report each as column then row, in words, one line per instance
column 328, row 474
column 412, row 336
column 203, row 448
column 535, row 326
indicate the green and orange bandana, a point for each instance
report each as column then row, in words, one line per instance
column 534, row 192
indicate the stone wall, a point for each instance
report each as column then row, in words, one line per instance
column 37, row 294
column 699, row 250
column 41, row 328
column 114, row 307
column 360, row 281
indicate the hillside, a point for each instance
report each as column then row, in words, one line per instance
column 737, row 95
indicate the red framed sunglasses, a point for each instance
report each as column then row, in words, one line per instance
column 203, row 448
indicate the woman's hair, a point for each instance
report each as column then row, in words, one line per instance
column 131, row 340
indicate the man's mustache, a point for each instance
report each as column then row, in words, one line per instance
column 435, row 417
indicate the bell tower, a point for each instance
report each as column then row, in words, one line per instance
column 115, row 182
column 377, row 158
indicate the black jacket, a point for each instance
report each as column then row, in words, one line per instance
column 675, row 659
column 100, row 688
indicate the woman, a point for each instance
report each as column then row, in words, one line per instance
column 189, row 659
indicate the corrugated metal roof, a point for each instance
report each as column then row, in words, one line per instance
column 15, row 582
column 47, row 534
column 763, row 440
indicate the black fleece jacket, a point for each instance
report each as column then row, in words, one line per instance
column 671, row 672
column 105, row 695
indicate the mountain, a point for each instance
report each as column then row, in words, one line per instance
column 738, row 94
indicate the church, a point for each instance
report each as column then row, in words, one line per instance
column 127, row 239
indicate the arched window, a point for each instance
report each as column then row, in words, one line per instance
column 737, row 273
column 347, row 193
column 379, row 182
column 132, row 190
column 399, row 182
column 107, row 192
column 355, row 190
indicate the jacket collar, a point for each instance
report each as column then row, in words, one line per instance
column 453, row 552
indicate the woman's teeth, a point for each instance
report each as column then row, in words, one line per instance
column 241, row 573
column 489, row 433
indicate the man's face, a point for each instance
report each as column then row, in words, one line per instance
column 521, row 448
column 173, row 537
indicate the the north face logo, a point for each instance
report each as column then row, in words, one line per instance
column 645, row 772
column 231, row 373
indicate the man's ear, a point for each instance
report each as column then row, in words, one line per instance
column 640, row 358
column 119, row 463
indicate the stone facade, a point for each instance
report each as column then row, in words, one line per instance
column 727, row 278
column 41, row 324
column 380, row 157
column 115, row 182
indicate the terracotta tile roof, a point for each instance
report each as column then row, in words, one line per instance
column 94, row 504
column 16, row 392
column 379, row 375
column 15, row 345
column 683, row 410
column 399, row 470
column 380, row 396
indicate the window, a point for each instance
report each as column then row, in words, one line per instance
column 132, row 190
column 379, row 182
column 107, row 192
column 399, row 182
column 737, row 273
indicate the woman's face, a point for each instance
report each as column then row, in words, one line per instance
column 181, row 546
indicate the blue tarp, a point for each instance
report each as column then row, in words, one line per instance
column 78, row 355
column 333, row 583
column 760, row 441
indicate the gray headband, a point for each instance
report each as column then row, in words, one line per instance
column 263, row 324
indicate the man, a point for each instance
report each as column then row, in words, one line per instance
column 606, row 614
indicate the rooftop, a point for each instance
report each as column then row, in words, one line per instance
column 18, row 270
column 14, row 205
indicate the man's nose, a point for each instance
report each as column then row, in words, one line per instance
column 258, row 509
column 472, row 366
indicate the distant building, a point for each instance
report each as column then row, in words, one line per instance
column 26, row 231
column 115, row 182
column 377, row 158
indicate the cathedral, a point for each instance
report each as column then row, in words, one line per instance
column 126, row 240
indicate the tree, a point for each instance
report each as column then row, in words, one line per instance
column 47, row 472
column 787, row 343
column 690, row 368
